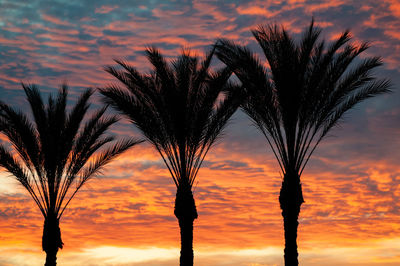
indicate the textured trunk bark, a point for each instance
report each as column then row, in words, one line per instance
column 185, row 211
column 187, row 255
column 51, row 240
column 51, row 259
column 290, row 199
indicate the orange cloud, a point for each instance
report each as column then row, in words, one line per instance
column 255, row 10
column 351, row 185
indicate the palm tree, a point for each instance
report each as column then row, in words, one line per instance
column 181, row 109
column 51, row 154
column 294, row 102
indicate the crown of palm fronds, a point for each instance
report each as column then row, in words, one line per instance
column 181, row 108
column 52, row 153
column 306, row 89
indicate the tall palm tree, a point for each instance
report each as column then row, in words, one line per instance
column 52, row 157
column 298, row 98
column 181, row 109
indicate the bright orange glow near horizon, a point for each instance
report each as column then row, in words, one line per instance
column 351, row 214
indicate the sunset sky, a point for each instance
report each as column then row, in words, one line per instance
column 351, row 214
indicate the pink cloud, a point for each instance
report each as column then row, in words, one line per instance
column 131, row 205
column 105, row 9
column 55, row 20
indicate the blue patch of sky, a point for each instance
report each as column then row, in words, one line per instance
column 118, row 33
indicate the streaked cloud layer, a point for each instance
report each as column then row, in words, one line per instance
column 351, row 185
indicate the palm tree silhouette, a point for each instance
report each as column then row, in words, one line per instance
column 52, row 153
column 298, row 99
column 181, row 109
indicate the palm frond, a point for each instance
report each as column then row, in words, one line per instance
column 15, row 168
column 99, row 162
column 179, row 107
column 49, row 153
column 310, row 87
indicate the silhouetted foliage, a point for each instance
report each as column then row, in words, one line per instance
column 181, row 108
column 52, row 157
column 298, row 98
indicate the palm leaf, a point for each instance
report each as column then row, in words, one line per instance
column 53, row 150
column 179, row 107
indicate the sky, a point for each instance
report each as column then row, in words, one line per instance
column 351, row 214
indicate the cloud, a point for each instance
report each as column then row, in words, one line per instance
column 55, row 20
column 351, row 184
column 105, row 9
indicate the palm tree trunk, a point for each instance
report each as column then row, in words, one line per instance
column 187, row 256
column 51, row 258
column 51, row 239
column 290, row 199
column 185, row 211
